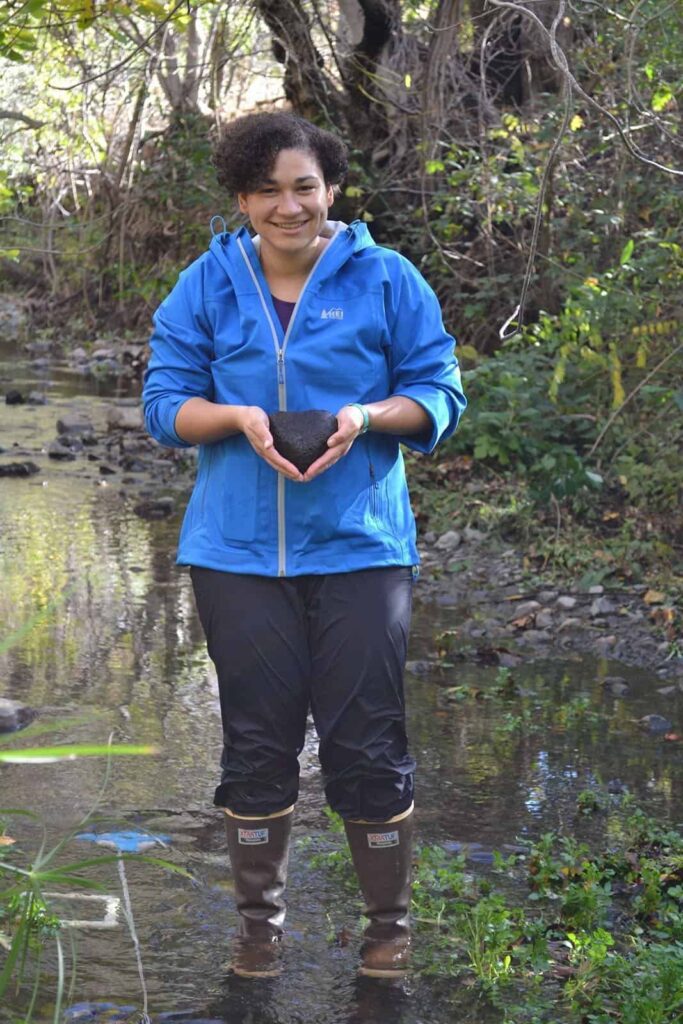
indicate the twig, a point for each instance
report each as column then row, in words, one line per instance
column 632, row 395
column 562, row 65
column 108, row 71
column 518, row 314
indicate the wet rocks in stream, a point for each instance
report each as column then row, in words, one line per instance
column 19, row 469
column 59, row 451
column 78, row 426
column 159, row 508
column 14, row 716
column 125, row 417
column 301, row 437
column 496, row 606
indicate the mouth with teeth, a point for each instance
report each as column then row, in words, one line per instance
column 292, row 226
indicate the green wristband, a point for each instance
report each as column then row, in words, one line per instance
column 364, row 413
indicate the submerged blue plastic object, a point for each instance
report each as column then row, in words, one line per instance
column 110, row 1013
column 97, row 1012
column 126, row 842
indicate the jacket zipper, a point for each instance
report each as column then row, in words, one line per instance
column 281, row 390
column 374, row 486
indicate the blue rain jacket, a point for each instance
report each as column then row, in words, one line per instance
column 366, row 326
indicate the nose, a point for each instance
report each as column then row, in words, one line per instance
column 289, row 203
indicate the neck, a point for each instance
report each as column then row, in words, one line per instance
column 293, row 266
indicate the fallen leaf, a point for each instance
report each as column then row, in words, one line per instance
column 654, row 597
column 7, row 841
column 524, row 621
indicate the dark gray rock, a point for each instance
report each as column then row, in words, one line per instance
column 616, row 685
column 418, row 668
column 569, row 624
column 301, row 437
column 19, row 469
column 125, row 417
column 602, row 606
column 106, row 470
column 508, row 660
column 74, row 425
column 154, row 509
column 36, row 398
column 60, row 452
column 519, row 611
column 536, row 636
column 605, row 643
column 14, row 397
column 14, row 715
column 130, row 464
column 448, row 541
column 71, row 441
column 655, row 723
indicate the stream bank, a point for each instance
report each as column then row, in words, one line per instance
column 512, row 734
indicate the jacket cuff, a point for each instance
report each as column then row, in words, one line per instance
column 161, row 422
column 439, row 408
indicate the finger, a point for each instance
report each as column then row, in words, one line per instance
column 320, row 465
column 288, row 469
column 265, row 439
column 341, row 437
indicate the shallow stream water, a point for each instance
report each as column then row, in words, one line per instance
column 112, row 645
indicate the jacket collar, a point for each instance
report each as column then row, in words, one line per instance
column 345, row 240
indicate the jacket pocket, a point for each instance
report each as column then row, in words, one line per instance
column 234, row 490
column 378, row 501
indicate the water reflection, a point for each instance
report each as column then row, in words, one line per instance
column 114, row 645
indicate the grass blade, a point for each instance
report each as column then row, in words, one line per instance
column 48, row 755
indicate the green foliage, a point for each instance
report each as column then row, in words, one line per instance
column 645, row 987
column 515, row 949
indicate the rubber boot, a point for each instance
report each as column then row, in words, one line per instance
column 259, row 850
column 382, row 854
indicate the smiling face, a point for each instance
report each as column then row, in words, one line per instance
column 289, row 208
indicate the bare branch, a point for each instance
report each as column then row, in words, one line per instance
column 562, row 65
column 14, row 115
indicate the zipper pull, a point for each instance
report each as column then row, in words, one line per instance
column 280, row 367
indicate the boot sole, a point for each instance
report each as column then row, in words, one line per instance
column 377, row 972
column 273, row 973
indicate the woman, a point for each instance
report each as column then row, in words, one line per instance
column 303, row 580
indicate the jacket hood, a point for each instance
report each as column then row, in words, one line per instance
column 229, row 248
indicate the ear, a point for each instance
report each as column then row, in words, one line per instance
column 242, row 202
column 330, row 195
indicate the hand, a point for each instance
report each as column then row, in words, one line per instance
column 254, row 426
column 349, row 426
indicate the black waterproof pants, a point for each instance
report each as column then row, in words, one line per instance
column 334, row 643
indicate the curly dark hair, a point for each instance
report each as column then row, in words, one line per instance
column 247, row 148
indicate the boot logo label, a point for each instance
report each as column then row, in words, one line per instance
column 252, row 836
column 377, row 840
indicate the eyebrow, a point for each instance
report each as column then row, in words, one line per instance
column 297, row 181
